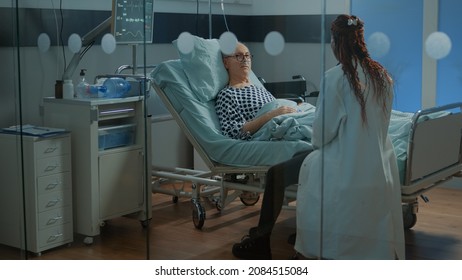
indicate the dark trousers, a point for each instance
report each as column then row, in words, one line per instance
column 278, row 178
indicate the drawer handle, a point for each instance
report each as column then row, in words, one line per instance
column 53, row 202
column 117, row 111
column 50, row 150
column 51, row 167
column 52, row 185
column 54, row 237
column 54, row 220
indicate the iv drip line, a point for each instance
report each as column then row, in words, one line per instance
column 224, row 16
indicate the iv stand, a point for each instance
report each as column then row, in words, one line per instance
column 210, row 19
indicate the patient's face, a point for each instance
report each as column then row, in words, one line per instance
column 240, row 62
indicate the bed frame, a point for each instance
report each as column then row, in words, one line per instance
column 221, row 184
column 433, row 156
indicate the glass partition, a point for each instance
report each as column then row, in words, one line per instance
column 89, row 139
column 289, row 50
column 75, row 130
column 13, row 204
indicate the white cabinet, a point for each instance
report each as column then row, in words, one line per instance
column 109, row 158
column 45, row 176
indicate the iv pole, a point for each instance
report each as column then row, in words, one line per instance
column 210, row 19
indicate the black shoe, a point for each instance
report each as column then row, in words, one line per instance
column 253, row 248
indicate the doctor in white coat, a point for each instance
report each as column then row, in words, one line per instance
column 349, row 198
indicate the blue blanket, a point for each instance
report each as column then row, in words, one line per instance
column 298, row 126
column 289, row 127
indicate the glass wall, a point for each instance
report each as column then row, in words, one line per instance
column 12, row 191
column 80, row 162
column 75, row 154
column 290, row 47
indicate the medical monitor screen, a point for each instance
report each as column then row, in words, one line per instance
column 132, row 21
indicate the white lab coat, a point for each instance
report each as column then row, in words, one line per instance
column 350, row 183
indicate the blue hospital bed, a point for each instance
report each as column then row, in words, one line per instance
column 227, row 159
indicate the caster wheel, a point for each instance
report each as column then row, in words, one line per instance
column 219, row 206
column 198, row 215
column 88, row 240
column 249, row 198
column 175, row 199
column 409, row 218
column 145, row 223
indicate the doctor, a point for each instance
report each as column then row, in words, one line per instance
column 349, row 198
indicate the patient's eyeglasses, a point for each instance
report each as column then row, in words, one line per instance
column 241, row 57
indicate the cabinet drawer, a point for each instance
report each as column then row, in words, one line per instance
column 55, row 217
column 52, row 147
column 53, row 165
column 54, row 200
column 55, row 182
column 116, row 111
column 58, row 234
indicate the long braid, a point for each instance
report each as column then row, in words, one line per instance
column 350, row 49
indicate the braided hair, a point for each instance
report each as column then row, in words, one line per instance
column 350, row 49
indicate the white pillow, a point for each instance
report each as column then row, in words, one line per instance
column 204, row 68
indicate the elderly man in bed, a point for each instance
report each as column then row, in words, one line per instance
column 237, row 106
column 239, row 102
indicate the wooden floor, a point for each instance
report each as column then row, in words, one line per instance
column 172, row 235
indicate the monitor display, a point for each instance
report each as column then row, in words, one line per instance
column 133, row 21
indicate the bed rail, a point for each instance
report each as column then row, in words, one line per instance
column 434, row 150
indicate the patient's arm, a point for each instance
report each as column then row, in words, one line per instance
column 255, row 124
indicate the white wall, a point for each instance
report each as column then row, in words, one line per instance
column 299, row 7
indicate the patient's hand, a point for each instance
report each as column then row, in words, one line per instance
column 283, row 110
column 255, row 124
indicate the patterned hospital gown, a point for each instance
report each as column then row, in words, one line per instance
column 236, row 106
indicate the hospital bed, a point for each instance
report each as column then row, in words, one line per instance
column 427, row 143
column 236, row 168
column 430, row 154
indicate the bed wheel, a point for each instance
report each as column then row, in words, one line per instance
column 144, row 224
column 409, row 217
column 175, row 199
column 219, row 206
column 198, row 214
column 88, row 240
column 249, row 198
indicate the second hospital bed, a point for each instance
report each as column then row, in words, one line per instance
column 427, row 144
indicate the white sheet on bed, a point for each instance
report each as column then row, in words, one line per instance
column 298, row 126
column 288, row 127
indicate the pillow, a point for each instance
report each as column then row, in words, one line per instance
column 204, row 68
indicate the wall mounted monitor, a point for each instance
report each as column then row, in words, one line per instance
column 133, row 21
